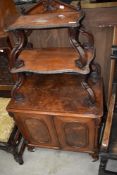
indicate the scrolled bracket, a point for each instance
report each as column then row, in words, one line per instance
column 90, row 39
column 29, row 44
column 74, row 34
column 16, row 95
column 79, row 5
column 91, row 96
column 95, row 74
column 20, row 44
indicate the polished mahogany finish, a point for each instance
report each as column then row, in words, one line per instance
column 41, row 21
column 61, row 111
column 61, row 94
column 55, row 114
column 52, row 60
column 47, row 14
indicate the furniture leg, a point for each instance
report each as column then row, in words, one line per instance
column 95, row 156
column 31, row 148
column 18, row 154
column 103, row 163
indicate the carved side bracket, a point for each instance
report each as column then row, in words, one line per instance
column 91, row 96
column 29, row 45
column 18, row 96
column 16, row 62
column 95, row 74
column 74, row 33
column 20, row 44
column 90, row 43
column 83, row 62
column 81, row 48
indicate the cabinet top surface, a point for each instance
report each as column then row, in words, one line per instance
column 59, row 95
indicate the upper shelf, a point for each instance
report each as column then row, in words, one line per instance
column 47, row 20
column 53, row 60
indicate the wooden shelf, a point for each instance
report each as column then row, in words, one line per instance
column 47, row 20
column 58, row 94
column 52, row 60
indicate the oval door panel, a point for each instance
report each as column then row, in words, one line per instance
column 38, row 130
column 76, row 134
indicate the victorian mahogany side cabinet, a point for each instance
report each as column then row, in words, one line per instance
column 57, row 101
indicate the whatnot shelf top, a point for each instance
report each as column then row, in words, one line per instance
column 45, row 14
column 47, row 20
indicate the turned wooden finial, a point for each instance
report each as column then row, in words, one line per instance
column 48, row 5
column 79, row 5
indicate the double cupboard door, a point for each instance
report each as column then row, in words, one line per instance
column 59, row 132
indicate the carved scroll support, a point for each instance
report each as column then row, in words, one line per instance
column 95, row 74
column 90, row 39
column 20, row 44
column 95, row 68
column 29, row 44
column 91, row 96
column 18, row 96
column 74, row 33
column 83, row 60
column 17, row 62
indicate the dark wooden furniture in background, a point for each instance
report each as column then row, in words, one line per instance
column 11, row 139
column 6, row 80
column 102, row 22
column 109, row 142
column 62, row 110
column 102, row 1
column 15, row 143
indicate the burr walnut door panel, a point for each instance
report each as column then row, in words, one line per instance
column 76, row 134
column 38, row 130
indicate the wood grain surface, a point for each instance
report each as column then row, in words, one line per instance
column 50, row 20
column 53, row 60
column 58, row 94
